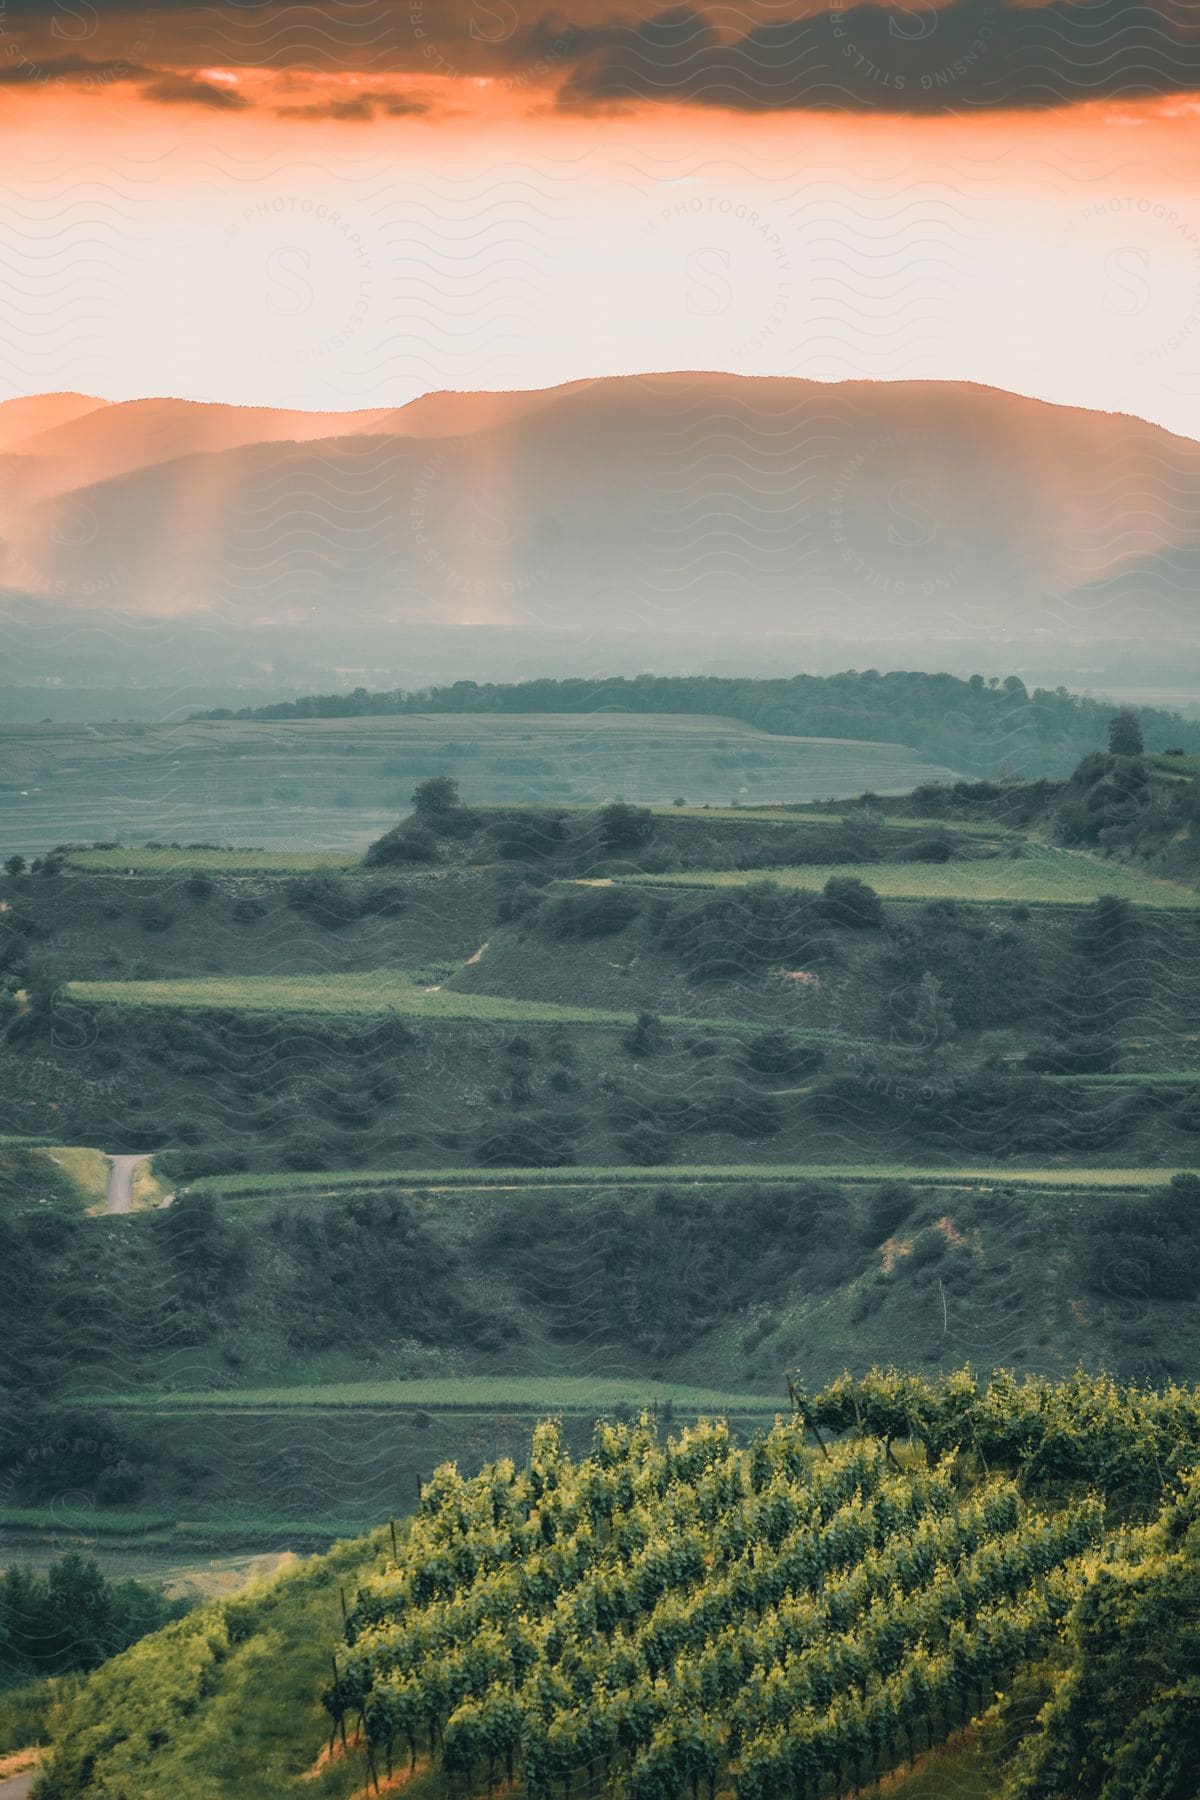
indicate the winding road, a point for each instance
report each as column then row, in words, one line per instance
column 120, row 1200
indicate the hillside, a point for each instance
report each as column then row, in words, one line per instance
column 654, row 1615
column 886, row 513
column 578, row 1110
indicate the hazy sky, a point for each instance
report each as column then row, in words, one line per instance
column 347, row 205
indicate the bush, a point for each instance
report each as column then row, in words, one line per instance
column 845, row 900
column 937, row 848
column 889, row 1206
column 624, row 827
column 406, row 843
column 592, row 912
column 538, row 1140
column 526, row 836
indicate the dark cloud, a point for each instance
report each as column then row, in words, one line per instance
column 359, row 109
column 890, row 56
column 896, row 58
column 177, row 89
column 82, row 71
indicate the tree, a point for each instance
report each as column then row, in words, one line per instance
column 15, row 865
column 1125, row 734
column 434, row 799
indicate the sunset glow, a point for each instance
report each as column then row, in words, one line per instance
column 292, row 207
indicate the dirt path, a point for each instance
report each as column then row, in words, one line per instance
column 120, row 1200
column 17, row 1786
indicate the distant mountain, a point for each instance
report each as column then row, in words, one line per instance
column 674, row 508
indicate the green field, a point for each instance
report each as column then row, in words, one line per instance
column 213, row 862
column 497, row 1393
column 523, row 1179
column 234, row 860
column 373, row 993
column 1042, row 877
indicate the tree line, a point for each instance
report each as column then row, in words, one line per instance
column 976, row 724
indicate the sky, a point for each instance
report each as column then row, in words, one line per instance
column 347, row 205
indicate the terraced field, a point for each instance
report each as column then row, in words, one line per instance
column 170, row 861
column 1041, row 877
column 568, row 1394
column 518, row 1180
column 372, row 994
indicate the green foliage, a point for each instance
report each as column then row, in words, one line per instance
column 72, row 1619
column 693, row 1612
column 1121, row 1719
column 407, row 842
column 625, row 827
column 1125, row 733
column 1043, row 876
column 967, row 724
column 224, row 1701
column 592, row 912
column 1149, row 1249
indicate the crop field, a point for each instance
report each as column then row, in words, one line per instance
column 374, row 993
column 163, row 861
column 497, row 1393
column 339, row 783
column 518, row 1180
column 1042, row 877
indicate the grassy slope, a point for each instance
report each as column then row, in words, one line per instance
column 244, row 1679
column 1042, row 877
column 475, row 1393
column 524, row 1180
column 59, row 1177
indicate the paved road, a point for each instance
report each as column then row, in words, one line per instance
column 17, row 1786
column 120, row 1200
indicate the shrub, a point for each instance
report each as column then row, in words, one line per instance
column 592, row 912
column 845, row 900
column 537, row 1140
column 406, row 843
column 624, row 827
column 526, row 836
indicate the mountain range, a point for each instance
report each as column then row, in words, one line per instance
column 670, row 508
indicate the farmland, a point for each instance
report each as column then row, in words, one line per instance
column 334, row 784
column 353, row 996
column 1041, row 876
column 479, row 1394
column 523, row 1180
column 170, row 860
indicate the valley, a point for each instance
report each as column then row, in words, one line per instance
column 588, row 1110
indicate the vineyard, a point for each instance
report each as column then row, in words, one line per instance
column 767, row 1621
column 670, row 1617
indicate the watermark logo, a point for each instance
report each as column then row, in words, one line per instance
column 311, row 269
column 1141, row 265
column 724, row 265
column 893, row 527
